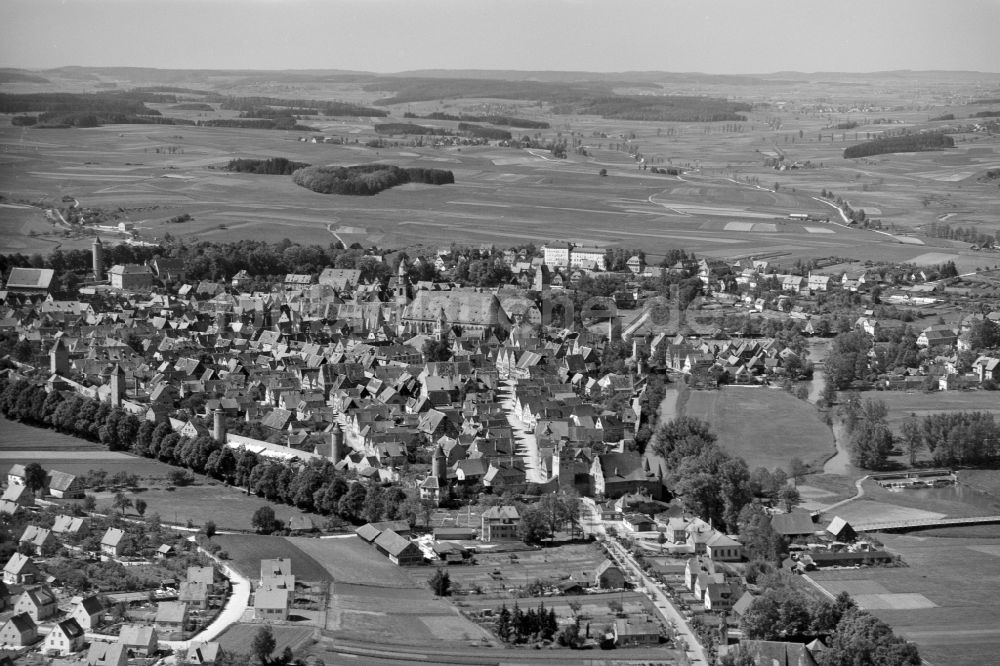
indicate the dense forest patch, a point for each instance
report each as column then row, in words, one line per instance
column 908, row 143
column 366, row 179
column 272, row 166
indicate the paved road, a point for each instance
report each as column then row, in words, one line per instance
column 523, row 436
column 660, row 600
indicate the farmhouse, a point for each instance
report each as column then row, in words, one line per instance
column 400, row 550
column 939, row 335
column 65, row 486
column 65, row 638
column 795, row 524
column 37, row 538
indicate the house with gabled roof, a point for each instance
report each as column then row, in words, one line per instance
column 194, row 594
column 400, row 550
column 67, row 524
column 271, row 603
column 65, row 485
column 64, row 638
column 203, row 575
column 20, row 570
column 112, row 542
column 38, row 602
column 500, row 523
column 609, row 576
column 37, row 538
column 203, row 653
column 107, row 654
column 141, row 639
column 171, row 616
column 19, row 630
column 88, row 612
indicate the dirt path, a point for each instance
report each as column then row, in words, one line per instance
column 841, row 462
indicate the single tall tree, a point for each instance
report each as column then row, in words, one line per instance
column 34, row 477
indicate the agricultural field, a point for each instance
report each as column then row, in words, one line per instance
column 247, row 550
column 727, row 204
column 20, row 443
column 238, row 638
column 903, row 403
column 347, row 559
column 766, row 427
column 943, row 598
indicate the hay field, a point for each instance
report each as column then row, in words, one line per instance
column 766, row 427
column 501, row 196
column 943, row 599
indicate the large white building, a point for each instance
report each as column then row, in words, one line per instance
column 557, row 254
column 563, row 255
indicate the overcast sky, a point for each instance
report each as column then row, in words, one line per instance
column 716, row 36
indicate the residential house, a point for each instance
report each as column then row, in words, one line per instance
column 107, row 654
column 500, row 523
column 37, row 538
column 131, row 277
column 203, row 653
column 718, row 597
column 206, row 576
column 271, row 603
column 20, row 570
column 19, row 495
column 721, row 548
column 778, row 652
column 608, row 576
column 141, row 640
column 88, row 612
column 195, row 595
column 636, row 631
column 19, row 630
column 112, row 542
column 67, row 525
column 171, row 616
column 65, row 638
column 281, row 566
column 38, row 602
column 988, row 368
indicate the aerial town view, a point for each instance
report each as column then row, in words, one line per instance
column 499, row 332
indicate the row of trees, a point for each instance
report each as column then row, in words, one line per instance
column 953, row 438
column 300, row 106
column 517, row 626
column 505, row 121
column 366, row 180
column 316, row 486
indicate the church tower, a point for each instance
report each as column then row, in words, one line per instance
column 439, row 465
column 59, row 358
column 97, row 259
column 117, row 386
column 441, row 326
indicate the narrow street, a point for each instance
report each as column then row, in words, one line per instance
column 524, row 437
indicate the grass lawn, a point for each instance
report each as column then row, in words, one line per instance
column 766, row 427
column 208, row 499
column 944, row 599
column 247, row 550
column 238, row 638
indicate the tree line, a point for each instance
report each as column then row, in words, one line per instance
column 276, row 166
column 301, row 106
column 366, row 180
column 907, row 143
column 480, row 132
column 315, row 486
column 505, row 121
